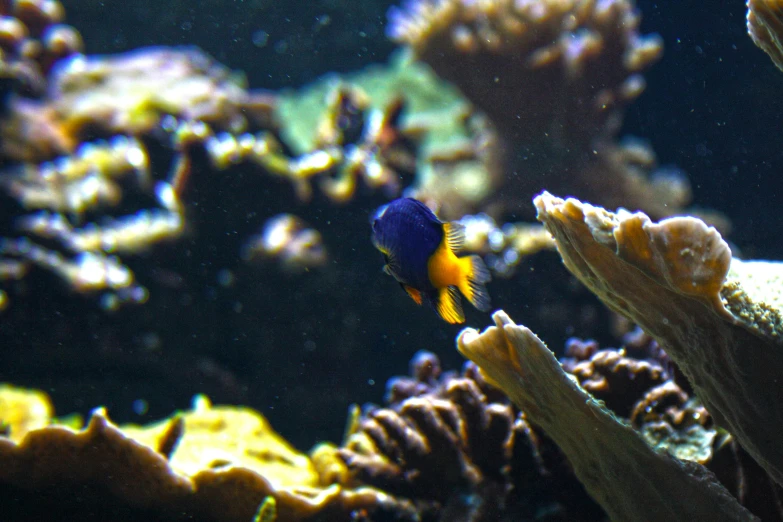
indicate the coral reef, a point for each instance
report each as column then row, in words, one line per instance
column 85, row 151
column 101, row 156
column 765, row 27
column 210, row 463
column 458, row 150
column 616, row 465
column 445, row 446
column 553, row 77
column 716, row 316
column 460, row 451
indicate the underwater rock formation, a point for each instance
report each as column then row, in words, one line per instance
column 717, row 317
column 618, row 468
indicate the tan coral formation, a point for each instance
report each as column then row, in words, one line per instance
column 524, row 44
column 717, row 317
column 765, row 27
column 211, row 463
column 553, row 77
column 626, row 476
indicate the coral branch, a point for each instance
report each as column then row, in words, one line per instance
column 627, row 477
column 765, row 27
column 718, row 318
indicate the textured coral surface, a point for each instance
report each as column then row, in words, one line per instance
column 675, row 279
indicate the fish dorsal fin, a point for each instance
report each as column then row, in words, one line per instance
column 449, row 306
column 412, row 292
column 455, row 235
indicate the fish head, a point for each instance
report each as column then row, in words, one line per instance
column 376, row 222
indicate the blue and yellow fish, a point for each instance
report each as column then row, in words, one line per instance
column 420, row 253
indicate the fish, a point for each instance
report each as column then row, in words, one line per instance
column 420, row 252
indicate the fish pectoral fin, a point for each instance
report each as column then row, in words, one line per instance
column 449, row 306
column 392, row 266
column 455, row 235
column 412, row 292
column 472, row 285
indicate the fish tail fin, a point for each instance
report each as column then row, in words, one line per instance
column 449, row 306
column 475, row 275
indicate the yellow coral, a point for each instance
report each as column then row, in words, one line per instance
column 217, row 463
column 22, row 411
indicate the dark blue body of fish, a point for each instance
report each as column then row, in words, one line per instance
column 412, row 232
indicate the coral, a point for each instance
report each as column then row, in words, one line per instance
column 290, row 241
column 32, row 38
column 503, row 247
column 553, row 77
column 717, row 317
column 511, row 49
column 22, row 411
column 765, row 27
column 669, row 421
column 456, row 166
column 617, row 467
column 612, row 376
column 460, row 451
column 185, row 103
column 210, row 463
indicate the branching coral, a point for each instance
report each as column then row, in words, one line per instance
column 553, row 77
column 288, row 240
column 191, row 105
column 503, row 247
column 718, row 318
column 460, row 451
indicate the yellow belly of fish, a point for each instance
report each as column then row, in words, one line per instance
column 444, row 268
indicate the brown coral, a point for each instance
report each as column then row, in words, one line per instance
column 613, row 377
column 503, row 54
column 460, row 451
column 765, row 27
